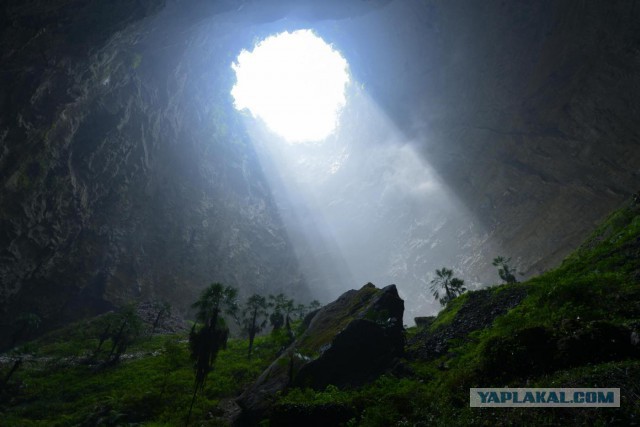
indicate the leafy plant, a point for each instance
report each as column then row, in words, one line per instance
column 122, row 330
column 506, row 272
column 444, row 281
column 209, row 336
column 254, row 318
column 163, row 311
column 283, row 309
column 130, row 327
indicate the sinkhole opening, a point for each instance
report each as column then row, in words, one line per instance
column 295, row 82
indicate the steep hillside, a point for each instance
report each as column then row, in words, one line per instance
column 575, row 326
column 125, row 173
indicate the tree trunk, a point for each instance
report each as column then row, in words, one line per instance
column 448, row 291
column 288, row 326
column 116, row 339
column 252, row 332
column 155, row 323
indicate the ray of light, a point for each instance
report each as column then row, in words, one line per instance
column 365, row 206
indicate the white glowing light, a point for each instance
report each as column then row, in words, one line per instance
column 295, row 82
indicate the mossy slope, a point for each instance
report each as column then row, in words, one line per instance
column 152, row 385
column 571, row 327
column 574, row 326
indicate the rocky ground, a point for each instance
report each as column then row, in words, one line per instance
column 472, row 312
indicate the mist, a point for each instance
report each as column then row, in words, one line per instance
column 130, row 175
column 363, row 206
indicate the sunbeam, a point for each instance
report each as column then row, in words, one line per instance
column 363, row 206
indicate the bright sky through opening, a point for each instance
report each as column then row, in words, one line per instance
column 295, row 82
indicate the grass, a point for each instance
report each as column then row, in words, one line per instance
column 596, row 289
column 447, row 315
column 154, row 388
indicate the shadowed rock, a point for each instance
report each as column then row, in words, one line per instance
column 424, row 321
column 347, row 343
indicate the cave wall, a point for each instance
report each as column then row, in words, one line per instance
column 125, row 173
column 526, row 109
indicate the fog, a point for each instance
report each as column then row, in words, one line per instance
column 367, row 204
column 362, row 206
column 469, row 131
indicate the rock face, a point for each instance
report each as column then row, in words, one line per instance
column 474, row 311
column 125, row 172
column 348, row 342
column 525, row 109
column 538, row 350
column 424, row 321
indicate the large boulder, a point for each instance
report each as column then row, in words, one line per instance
column 347, row 343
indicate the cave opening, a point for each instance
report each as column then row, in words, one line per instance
column 295, row 83
column 455, row 135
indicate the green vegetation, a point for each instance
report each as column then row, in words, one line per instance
column 112, row 370
column 449, row 313
column 570, row 327
column 444, row 281
column 559, row 335
column 123, row 331
column 163, row 310
column 207, row 339
column 153, row 386
column 309, row 344
column 505, row 271
column 283, row 308
column 254, row 318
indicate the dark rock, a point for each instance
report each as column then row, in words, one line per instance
column 358, row 354
column 529, row 351
column 112, row 189
column 328, row 414
column 424, row 321
column 348, row 342
column 595, row 342
column 167, row 323
column 534, row 351
column 125, row 172
column 401, row 369
column 478, row 311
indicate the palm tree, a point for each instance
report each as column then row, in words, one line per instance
column 254, row 311
column 212, row 334
column 164, row 311
column 505, row 272
column 452, row 286
column 283, row 308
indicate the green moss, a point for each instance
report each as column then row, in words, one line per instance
column 328, row 327
column 411, row 332
column 449, row 313
column 597, row 285
column 155, row 386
